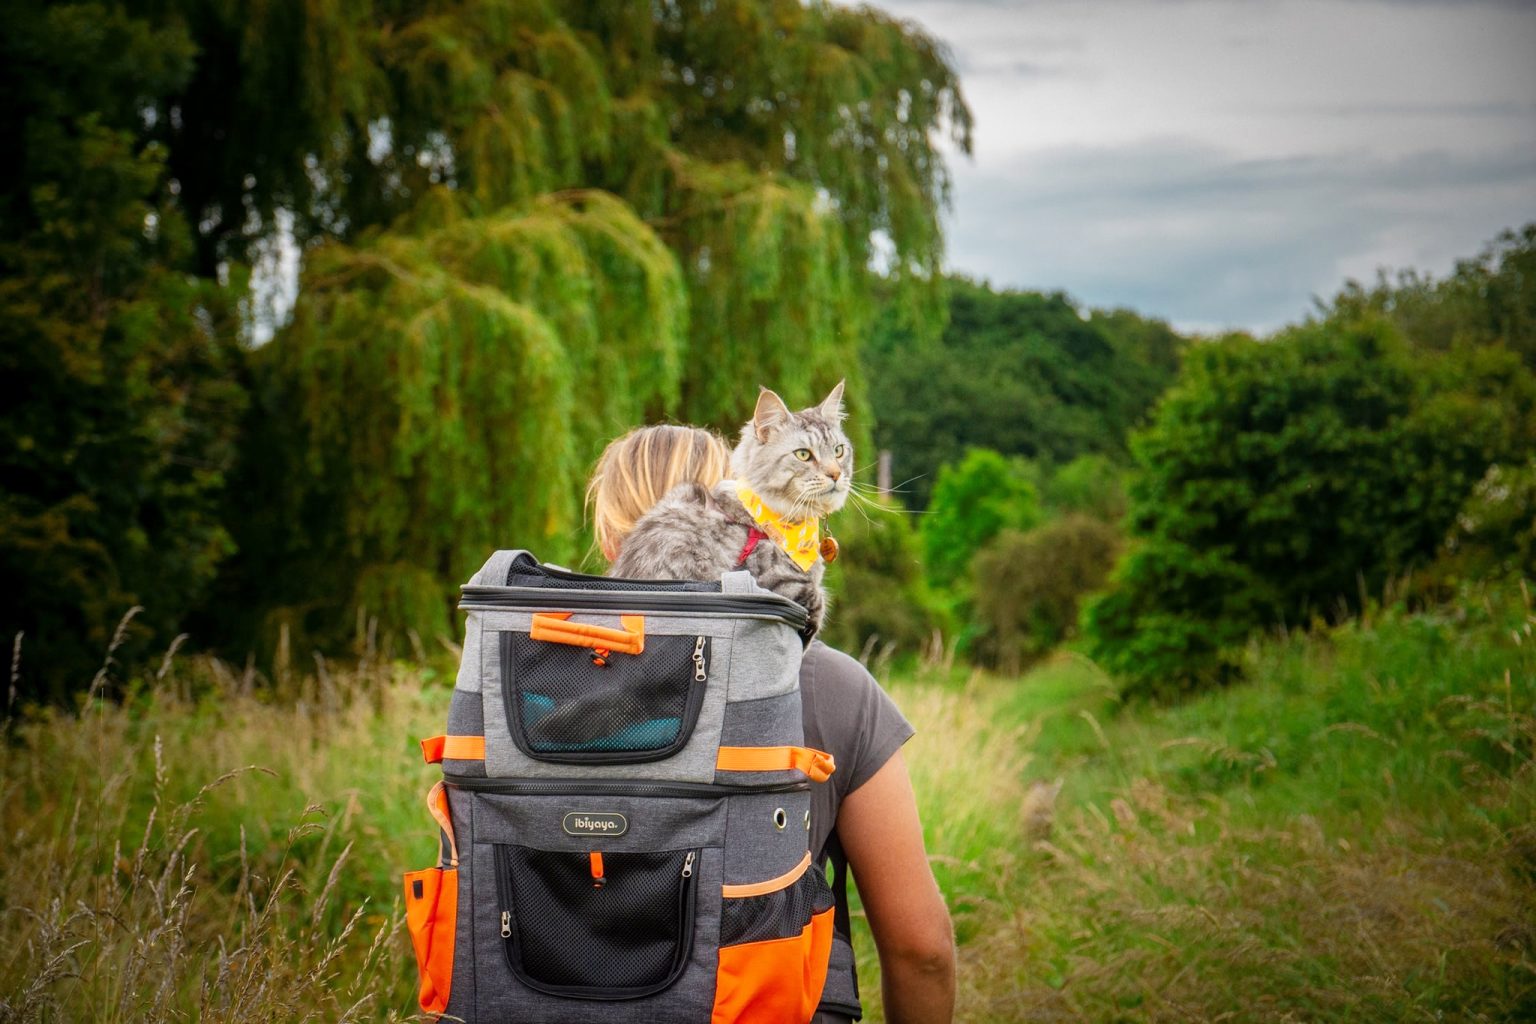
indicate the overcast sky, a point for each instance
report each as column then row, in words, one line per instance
column 1219, row 162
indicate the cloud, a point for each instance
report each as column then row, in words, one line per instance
column 1190, row 232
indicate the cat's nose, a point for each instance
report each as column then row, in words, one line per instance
column 833, row 472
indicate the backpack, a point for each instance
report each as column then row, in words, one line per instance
column 625, row 807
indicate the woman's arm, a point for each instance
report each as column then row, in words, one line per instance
column 879, row 829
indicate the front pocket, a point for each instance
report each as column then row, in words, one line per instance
column 596, row 925
column 775, row 941
column 587, row 704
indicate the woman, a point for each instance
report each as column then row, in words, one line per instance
column 866, row 814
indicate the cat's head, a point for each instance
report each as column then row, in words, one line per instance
column 800, row 463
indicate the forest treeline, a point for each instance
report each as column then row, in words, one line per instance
column 1093, row 478
column 526, row 229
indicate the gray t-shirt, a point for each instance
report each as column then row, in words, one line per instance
column 847, row 714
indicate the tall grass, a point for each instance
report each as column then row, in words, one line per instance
column 1347, row 837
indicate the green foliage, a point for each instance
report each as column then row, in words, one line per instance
column 881, row 600
column 1019, row 372
column 1291, row 478
column 1487, row 300
column 506, row 213
column 503, row 353
column 1495, row 530
column 973, row 501
column 120, row 387
column 1027, row 586
column 1093, row 485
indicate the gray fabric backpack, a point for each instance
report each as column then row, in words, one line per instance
column 624, row 808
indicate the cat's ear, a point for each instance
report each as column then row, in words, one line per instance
column 771, row 412
column 832, row 406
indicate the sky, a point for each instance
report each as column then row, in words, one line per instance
column 1218, row 163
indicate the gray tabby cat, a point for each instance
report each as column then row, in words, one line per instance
column 799, row 463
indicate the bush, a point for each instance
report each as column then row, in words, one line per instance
column 1289, row 478
column 1028, row 585
column 1174, row 618
column 1495, row 531
column 974, row 500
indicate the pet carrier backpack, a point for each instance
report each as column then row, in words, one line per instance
column 624, row 808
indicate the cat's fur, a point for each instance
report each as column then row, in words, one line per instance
column 695, row 533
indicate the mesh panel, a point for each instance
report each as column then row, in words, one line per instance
column 525, row 572
column 636, row 704
column 634, row 932
column 777, row 915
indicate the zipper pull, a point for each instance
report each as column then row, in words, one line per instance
column 698, row 660
column 506, row 924
column 688, row 865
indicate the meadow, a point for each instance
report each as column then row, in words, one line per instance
column 1346, row 836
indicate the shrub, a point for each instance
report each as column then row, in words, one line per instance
column 1174, row 618
column 1495, row 531
column 1286, row 478
column 1028, row 585
column 973, row 501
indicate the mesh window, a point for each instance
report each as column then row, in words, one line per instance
column 564, row 707
column 776, row 915
column 630, row 937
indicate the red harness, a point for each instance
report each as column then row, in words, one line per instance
column 753, row 536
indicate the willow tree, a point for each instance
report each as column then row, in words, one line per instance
column 549, row 225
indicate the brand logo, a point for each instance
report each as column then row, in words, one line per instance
column 595, row 823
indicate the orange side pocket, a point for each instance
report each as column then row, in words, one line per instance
column 431, row 915
column 775, row 979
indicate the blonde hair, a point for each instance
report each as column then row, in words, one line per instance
column 635, row 471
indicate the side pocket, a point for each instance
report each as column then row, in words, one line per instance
column 432, row 908
column 431, row 914
column 775, row 939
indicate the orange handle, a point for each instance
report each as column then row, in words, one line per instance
column 816, row 764
column 556, row 628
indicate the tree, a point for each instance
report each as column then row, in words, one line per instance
column 1028, row 586
column 1486, row 301
column 637, row 212
column 974, row 500
column 120, row 392
column 1282, row 480
column 1019, row 372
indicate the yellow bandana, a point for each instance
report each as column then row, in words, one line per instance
column 801, row 541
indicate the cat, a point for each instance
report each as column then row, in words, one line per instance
column 799, row 464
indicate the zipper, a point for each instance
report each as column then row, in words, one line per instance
column 598, row 787
column 699, row 672
column 761, row 606
column 688, row 865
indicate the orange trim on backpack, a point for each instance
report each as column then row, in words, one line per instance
column 775, row 979
column 817, row 764
column 595, row 858
column 556, row 628
column 459, row 748
column 431, row 915
column 784, row 881
column 437, row 803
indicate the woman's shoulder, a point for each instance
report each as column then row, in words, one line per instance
column 830, row 670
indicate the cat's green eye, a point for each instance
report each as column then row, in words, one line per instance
column 840, row 450
column 803, row 454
